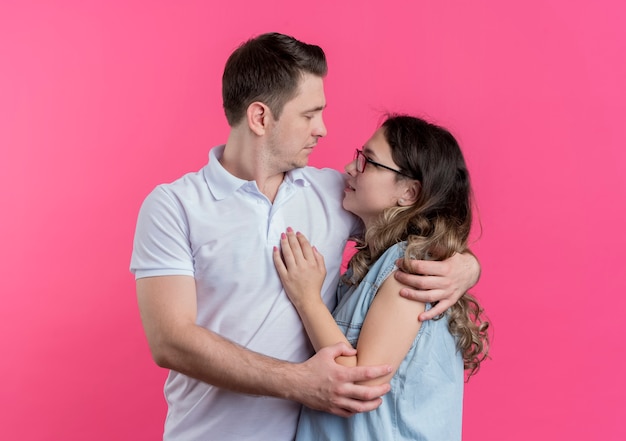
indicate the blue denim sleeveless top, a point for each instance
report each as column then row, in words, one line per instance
column 426, row 397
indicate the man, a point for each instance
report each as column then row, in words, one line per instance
column 210, row 300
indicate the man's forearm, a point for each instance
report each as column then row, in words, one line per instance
column 473, row 268
column 213, row 359
column 319, row 383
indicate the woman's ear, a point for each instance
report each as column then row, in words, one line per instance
column 257, row 116
column 410, row 193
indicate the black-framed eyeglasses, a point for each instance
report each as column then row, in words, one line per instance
column 362, row 160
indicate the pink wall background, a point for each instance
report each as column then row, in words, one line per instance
column 101, row 101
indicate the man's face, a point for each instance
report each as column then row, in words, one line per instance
column 293, row 136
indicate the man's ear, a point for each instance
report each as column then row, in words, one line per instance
column 410, row 194
column 258, row 116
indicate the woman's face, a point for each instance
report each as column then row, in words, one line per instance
column 376, row 188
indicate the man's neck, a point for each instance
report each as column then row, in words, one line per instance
column 269, row 187
column 245, row 163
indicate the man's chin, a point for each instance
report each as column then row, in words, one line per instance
column 300, row 164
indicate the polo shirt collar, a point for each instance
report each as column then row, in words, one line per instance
column 298, row 177
column 222, row 184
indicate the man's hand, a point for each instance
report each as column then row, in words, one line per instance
column 330, row 387
column 443, row 281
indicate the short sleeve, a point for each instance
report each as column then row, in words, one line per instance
column 161, row 245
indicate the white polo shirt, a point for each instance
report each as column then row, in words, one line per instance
column 221, row 230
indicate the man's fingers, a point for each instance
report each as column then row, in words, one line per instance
column 338, row 350
column 436, row 310
column 339, row 411
column 427, row 267
column 365, row 373
column 345, row 396
column 358, row 373
column 420, row 282
column 347, row 407
column 409, row 279
column 359, row 398
column 427, row 296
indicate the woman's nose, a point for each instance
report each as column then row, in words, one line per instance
column 350, row 167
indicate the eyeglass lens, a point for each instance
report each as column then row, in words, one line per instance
column 360, row 161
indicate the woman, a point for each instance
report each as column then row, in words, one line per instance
column 411, row 188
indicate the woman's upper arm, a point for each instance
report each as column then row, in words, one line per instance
column 389, row 329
